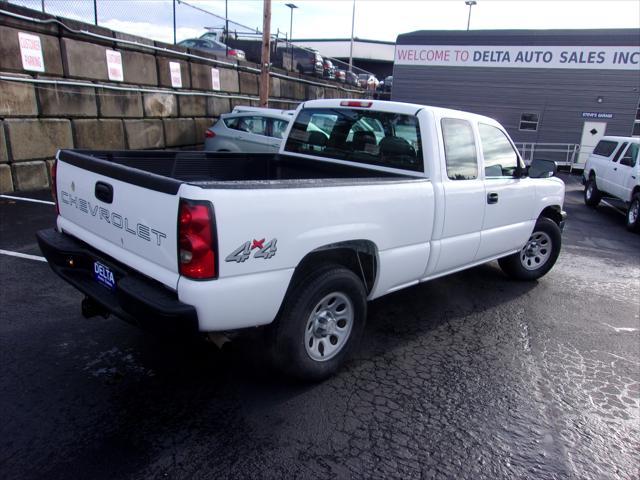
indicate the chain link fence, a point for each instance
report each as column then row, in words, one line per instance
column 173, row 21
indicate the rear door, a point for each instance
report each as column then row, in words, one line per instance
column 127, row 214
column 610, row 171
column 507, row 219
column 464, row 204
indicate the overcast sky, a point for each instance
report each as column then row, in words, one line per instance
column 374, row 19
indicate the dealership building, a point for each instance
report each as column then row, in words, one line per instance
column 557, row 92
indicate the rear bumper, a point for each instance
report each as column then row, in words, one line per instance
column 136, row 299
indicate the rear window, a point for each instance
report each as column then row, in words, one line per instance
column 363, row 136
column 605, row 148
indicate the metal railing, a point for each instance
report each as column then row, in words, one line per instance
column 564, row 154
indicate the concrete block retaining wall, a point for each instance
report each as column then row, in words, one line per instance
column 40, row 116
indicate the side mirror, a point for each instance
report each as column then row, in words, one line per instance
column 540, row 168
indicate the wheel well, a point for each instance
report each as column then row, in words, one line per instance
column 553, row 212
column 359, row 256
column 635, row 191
column 592, row 174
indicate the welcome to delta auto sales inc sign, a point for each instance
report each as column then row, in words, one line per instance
column 602, row 58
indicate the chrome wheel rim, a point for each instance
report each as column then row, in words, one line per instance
column 633, row 212
column 328, row 327
column 536, row 252
column 589, row 191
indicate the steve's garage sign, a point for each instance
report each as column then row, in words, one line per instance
column 602, row 58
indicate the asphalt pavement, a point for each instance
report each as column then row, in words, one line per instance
column 469, row 376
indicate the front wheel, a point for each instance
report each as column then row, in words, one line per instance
column 538, row 255
column 592, row 195
column 633, row 214
column 319, row 324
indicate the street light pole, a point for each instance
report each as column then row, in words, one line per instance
column 291, row 6
column 471, row 3
column 353, row 21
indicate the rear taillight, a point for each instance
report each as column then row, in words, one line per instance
column 232, row 53
column 209, row 134
column 197, row 240
column 352, row 103
column 54, row 184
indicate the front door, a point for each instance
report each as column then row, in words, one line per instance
column 507, row 220
column 592, row 132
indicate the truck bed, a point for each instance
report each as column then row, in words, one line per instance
column 165, row 170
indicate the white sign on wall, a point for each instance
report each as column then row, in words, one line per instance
column 587, row 57
column 176, row 75
column 215, row 79
column 114, row 66
column 31, row 52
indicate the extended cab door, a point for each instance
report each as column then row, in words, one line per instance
column 623, row 175
column 610, row 172
column 464, row 203
column 507, row 219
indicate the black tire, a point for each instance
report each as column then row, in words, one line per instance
column 523, row 265
column 286, row 336
column 633, row 214
column 592, row 195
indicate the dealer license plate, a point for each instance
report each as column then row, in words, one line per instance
column 104, row 276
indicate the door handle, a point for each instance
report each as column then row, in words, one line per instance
column 615, row 169
column 492, row 197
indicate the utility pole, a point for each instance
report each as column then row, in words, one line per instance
column 353, row 21
column 226, row 26
column 174, row 22
column 291, row 6
column 471, row 3
column 266, row 54
column 95, row 12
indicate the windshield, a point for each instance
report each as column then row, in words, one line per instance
column 363, row 136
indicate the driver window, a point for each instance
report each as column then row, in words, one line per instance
column 631, row 155
column 500, row 158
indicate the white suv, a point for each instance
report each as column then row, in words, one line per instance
column 613, row 170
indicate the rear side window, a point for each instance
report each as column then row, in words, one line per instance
column 605, row 148
column 631, row 155
column 500, row 158
column 460, row 152
column 364, row 136
column 619, row 152
column 255, row 125
column 278, row 128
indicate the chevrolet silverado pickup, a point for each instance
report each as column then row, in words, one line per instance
column 364, row 198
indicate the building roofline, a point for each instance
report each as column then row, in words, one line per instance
column 355, row 39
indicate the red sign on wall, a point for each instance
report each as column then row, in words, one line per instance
column 31, row 52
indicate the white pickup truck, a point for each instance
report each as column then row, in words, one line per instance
column 613, row 171
column 363, row 199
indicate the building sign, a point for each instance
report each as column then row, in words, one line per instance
column 601, row 58
column 597, row 115
column 215, row 79
column 176, row 74
column 31, row 52
column 114, row 66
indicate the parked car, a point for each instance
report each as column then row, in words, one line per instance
column 212, row 46
column 341, row 75
column 387, row 84
column 299, row 241
column 248, row 129
column 613, row 171
column 329, row 70
column 305, row 61
column 363, row 79
column 351, row 79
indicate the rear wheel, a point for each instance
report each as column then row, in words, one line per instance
column 319, row 325
column 633, row 214
column 592, row 195
column 538, row 255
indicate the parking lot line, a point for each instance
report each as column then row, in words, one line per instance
column 24, row 199
column 22, row 255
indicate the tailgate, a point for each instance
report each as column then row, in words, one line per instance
column 129, row 214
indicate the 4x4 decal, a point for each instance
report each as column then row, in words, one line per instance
column 243, row 252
